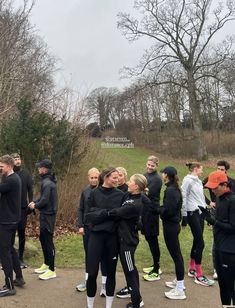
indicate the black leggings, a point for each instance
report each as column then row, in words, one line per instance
column 21, row 232
column 48, row 248
column 131, row 273
column 100, row 243
column 225, row 267
column 155, row 251
column 8, row 254
column 196, row 223
column 103, row 266
column 171, row 235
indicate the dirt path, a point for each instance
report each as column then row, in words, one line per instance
column 60, row 292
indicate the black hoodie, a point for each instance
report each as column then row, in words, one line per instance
column 47, row 203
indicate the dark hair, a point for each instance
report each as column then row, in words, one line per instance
column 223, row 163
column 174, row 179
column 105, row 174
column 193, row 165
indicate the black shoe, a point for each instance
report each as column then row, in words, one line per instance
column 5, row 291
column 129, row 305
column 123, row 293
column 19, row 282
column 23, row 265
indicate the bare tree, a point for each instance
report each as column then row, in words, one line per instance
column 182, row 32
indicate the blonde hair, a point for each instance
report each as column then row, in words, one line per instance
column 93, row 170
column 153, row 159
column 141, row 181
column 123, row 171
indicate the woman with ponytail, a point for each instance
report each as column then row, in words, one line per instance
column 193, row 197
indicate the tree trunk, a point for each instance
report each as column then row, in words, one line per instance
column 199, row 146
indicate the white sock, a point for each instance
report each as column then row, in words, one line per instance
column 90, row 301
column 103, row 279
column 109, row 301
column 180, row 285
column 86, row 276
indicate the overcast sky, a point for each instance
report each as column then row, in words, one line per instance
column 83, row 34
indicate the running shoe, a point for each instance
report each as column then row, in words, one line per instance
column 5, row 291
column 203, row 281
column 41, row 269
column 147, row 270
column 23, row 264
column 123, row 293
column 172, row 284
column 47, row 275
column 175, row 294
column 152, row 276
column 192, row 273
column 19, row 282
column 81, row 287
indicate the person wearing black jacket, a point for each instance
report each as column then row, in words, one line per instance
column 10, row 190
column 122, row 179
column 128, row 224
column 26, row 198
column 170, row 214
column 224, row 234
column 151, row 220
column 103, row 234
column 47, row 204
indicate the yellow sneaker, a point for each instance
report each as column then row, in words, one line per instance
column 41, row 269
column 47, row 275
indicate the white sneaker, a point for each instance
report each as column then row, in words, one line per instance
column 175, row 294
column 172, row 284
column 81, row 287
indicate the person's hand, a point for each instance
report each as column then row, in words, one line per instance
column 31, row 205
column 184, row 221
column 207, row 216
column 81, row 231
column 212, row 204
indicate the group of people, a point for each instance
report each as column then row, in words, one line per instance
column 16, row 203
column 112, row 211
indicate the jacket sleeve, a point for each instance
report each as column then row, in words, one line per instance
column 45, row 196
column 128, row 211
column 30, row 188
column 6, row 185
column 155, row 189
column 185, row 188
column 228, row 227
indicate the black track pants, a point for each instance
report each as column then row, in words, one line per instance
column 155, row 251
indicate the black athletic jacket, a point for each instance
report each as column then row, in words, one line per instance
column 47, row 203
column 172, row 203
column 129, row 214
column 27, row 187
column 83, row 207
column 150, row 219
column 224, row 228
column 10, row 209
column 101, row 201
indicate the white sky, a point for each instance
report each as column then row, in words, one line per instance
column 83, row 35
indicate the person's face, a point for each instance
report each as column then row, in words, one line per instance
column 198, row 171
column 221, row 168
column 132, row 186
column 121, row 178
column 17, row 161
column 93, row 179
column 112, row 180
column 220, row 190
column 5, row 169
column 42, row 170
column 165, row 177
column 151, row 166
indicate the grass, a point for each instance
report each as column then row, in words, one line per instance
column 69, row 249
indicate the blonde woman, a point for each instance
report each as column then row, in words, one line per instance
column 122, row 179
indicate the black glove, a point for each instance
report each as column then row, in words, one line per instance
column 184, row 221
column 207, row 215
